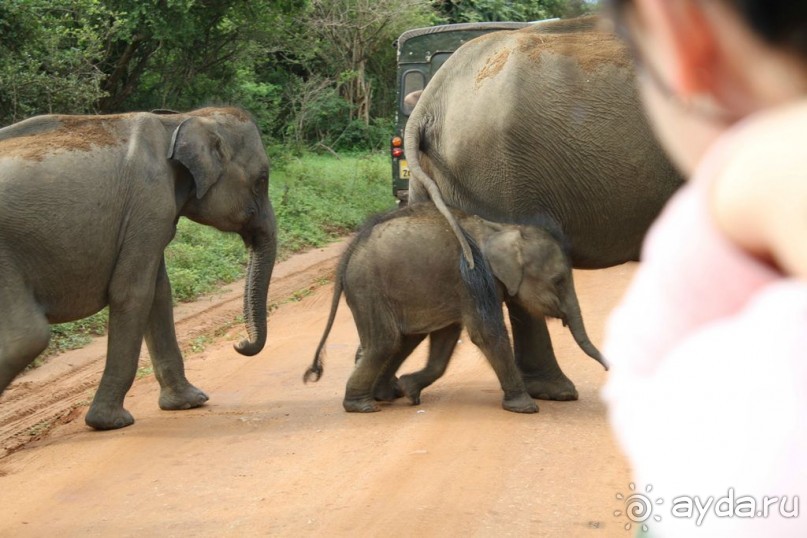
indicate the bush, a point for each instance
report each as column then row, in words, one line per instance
column 317, row 198
column 359, row 136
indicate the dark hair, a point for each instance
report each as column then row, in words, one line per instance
column 782, row 23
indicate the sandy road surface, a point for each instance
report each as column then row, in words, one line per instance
column 269, row 455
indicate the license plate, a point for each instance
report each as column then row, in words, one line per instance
column 403, row 169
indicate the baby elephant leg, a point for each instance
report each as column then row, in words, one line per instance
column 441, row 346
column 377, row 366
column 495, row 344
column 387, row 387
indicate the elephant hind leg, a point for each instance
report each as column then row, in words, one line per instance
column 387, row 387
column 131, row 295
column 380, row 359
column 24, row 332
column 441, row 347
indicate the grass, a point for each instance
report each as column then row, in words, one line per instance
column 316, row 200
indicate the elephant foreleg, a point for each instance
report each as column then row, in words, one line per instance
column 176, row 392
column 495, row 344
column 536, row 359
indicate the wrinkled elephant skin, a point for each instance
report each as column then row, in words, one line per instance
column 87, row 207
column 543, row 120
column 403, row 280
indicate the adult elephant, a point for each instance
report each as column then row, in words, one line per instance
column 87, row 207
column 542, row 120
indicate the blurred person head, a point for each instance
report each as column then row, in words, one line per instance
column 705, row 65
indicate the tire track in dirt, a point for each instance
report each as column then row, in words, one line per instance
column 58, row 391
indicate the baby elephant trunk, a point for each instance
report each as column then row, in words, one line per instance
column 574, row 320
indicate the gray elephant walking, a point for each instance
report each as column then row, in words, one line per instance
column 543, row 120
column 404, row 279
column 87, row 207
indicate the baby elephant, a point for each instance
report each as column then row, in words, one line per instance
column 404, row 279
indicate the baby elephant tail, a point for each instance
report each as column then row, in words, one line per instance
column 314, row 371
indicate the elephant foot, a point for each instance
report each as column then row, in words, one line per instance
column 364, row 405
column 558, row 389
column 411, row 388
column 522, row 403
column 186, row 398
column 107, row 417
column 388, row 391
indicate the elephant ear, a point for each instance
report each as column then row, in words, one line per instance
column 503, row 252
column 198, row 147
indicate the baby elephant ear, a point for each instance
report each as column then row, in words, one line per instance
column 198, row 147
column 503, row 251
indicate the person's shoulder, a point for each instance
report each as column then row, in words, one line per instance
column 759, row 198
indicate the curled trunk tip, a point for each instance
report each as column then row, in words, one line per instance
column 249, row 347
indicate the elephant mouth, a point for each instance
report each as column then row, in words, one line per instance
column 254, row 232
column 248, row 238
column 252, row 237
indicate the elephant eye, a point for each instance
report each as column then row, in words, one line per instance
column 261, row 183
column 559, row 280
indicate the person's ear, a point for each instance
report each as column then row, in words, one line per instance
column 687, row 50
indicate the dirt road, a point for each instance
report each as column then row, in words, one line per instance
column 269, row 455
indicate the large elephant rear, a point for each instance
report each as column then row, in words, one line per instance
column 525, row 122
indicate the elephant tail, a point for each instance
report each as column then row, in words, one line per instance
column 314, row 371
column 415, row 129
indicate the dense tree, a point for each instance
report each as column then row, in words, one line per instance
column 311, row 71
column 348, row 33
column 455, row 11
column 49, row 53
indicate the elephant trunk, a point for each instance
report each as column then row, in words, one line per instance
column 574, row 320
column 262, row 252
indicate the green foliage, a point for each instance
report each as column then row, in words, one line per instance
column 455, row 11
column 48, row 53
column 75, row 334
column 316, row 74
column 318, row 198
column 359, row 135
column 201, row 258
column 313, row 73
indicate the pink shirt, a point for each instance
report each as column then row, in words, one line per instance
column 707, row 393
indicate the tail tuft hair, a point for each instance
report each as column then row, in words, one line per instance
column 314, row 371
